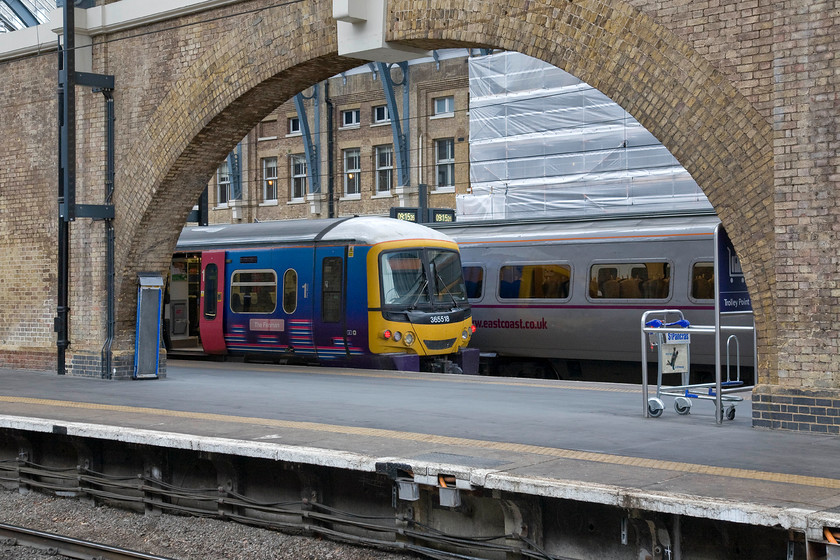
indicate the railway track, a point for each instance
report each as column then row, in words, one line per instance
column 68, row 546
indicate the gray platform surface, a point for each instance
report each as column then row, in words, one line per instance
column 575, row 440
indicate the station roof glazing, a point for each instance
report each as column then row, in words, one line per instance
column 18, row 14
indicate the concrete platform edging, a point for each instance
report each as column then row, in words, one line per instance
column 808, row 521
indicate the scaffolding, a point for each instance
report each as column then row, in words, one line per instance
column 543, row 143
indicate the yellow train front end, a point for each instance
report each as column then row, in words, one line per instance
column 418, row 314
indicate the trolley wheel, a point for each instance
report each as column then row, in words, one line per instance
column 682, row 405
column 730, row 412
column 655, row 407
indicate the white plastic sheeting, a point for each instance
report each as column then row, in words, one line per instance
column 543, row 143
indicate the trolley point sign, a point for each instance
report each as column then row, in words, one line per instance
column 733, row 296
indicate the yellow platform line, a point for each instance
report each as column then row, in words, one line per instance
column 471, row 380
column 558, row 453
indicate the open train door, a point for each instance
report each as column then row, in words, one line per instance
column 212, row 302
column 330, row 302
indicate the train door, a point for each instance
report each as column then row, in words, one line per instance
column 329, row 305
column 295, row 268
column 212, row 302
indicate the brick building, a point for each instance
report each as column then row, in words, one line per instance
column 353, row 165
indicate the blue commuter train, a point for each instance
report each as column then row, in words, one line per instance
column 361, row 291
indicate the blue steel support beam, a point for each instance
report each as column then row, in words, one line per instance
column 311, row 149
column 22, row 12
column 234, row 160
column 401, row 144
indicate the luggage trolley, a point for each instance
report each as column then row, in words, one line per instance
column 673, row 340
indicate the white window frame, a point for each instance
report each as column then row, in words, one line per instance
column 448, row 108
column 445, row 165
column 294, row 126
column 352, row 172
column 269, row 172
column 222, row 185
column 297, row 177
column 385, row 117
column 355, row 120
column 384, row 164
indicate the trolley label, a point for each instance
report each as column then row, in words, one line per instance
column 673, row 358
column 677, row 338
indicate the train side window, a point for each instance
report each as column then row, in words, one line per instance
column 211, row 290
column 474, row 280
column 290, row 288
column 332, row 281
column 703, row 280
column 534, row 281
column 253, row 291
column 651, row 280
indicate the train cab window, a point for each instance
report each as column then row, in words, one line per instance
column 211, row 290
column 651, row 280
column 332, row 280
column 447, row 277
column 404, row 278
column 474, row 280
column 703, row 280
column 253, row 291
column 534, row 281
column 290, row 287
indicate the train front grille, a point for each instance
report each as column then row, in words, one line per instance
column 439, row 344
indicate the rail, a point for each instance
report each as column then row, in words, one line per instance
column 70, row 547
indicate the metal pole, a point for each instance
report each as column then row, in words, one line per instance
column 330, row 152
column 645, row 393
column 422, row 204
column 107, row 354
column 66, row 179
column 718, row 403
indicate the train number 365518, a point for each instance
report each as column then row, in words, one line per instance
column 439, row 319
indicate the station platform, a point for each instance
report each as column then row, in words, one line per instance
column 561, row 439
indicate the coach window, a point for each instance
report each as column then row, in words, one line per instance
column 290, row 285
column 703, row 280
column 211, row 290
column 332, row 280
column 650, row 280
column 534, row 281
column 474, row 280
column 253, row 291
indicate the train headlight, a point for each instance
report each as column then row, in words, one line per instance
column 465, row 334
column 409, row 338
column 397, row 336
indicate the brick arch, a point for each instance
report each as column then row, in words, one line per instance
column 713, row 130
column 264, row 60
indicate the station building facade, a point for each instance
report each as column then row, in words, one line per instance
column 352, row 166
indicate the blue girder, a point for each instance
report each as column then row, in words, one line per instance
column 235, row 170
column 22, row 12
column 311, row 148
column 401, row 143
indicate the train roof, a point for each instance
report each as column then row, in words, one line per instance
column 362, row 230
column 578, row 229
